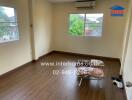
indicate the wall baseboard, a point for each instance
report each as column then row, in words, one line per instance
column 63, row 52
column 14, row 70
column 45, row 55
column 22, row 66
column 90, row 56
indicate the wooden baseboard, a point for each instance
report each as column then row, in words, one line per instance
column 45, row 55
column 14, row 70
column 22, row 66
column 86, row 55
column 76, row 54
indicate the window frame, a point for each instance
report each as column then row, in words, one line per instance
column 17, row 25
column 85, row 23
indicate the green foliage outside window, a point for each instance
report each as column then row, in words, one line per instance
column 8, row 25
column 3, row 22
column 76, row 25
column 86, row 24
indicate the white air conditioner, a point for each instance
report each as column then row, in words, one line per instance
column 85, row 4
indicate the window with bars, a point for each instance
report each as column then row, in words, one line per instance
column 86, row 24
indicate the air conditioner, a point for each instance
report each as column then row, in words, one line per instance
column 85, row 4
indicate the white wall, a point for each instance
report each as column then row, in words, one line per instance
column 109, row 45
column 127, row 54
column 42, row 22
column 16, row 53
column 127, row 74
column 126, row 35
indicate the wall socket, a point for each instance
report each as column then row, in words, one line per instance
column 128, row 84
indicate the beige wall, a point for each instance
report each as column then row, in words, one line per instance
column 109, row 45
column 16, row 53
column 42, row 21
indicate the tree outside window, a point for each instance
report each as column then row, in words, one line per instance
column 8, row 24
column 86, row 24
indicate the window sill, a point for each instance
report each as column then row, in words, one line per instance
column 8, row 41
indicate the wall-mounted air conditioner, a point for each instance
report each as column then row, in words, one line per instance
column 85, row 4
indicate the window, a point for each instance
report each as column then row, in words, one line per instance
column 8, row 25
column 86, row 24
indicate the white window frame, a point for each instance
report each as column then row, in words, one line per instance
column 17, row 25
column 85, row 24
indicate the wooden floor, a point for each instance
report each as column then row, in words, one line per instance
column 36, row 82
